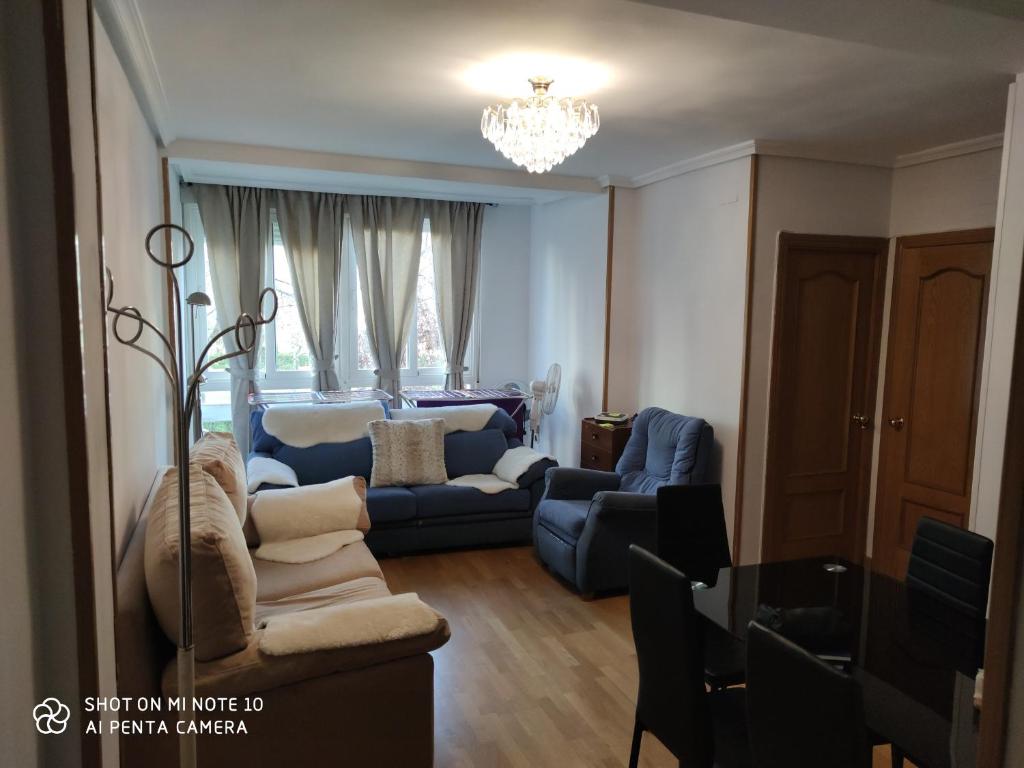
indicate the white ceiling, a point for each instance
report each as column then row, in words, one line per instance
column 394, row 79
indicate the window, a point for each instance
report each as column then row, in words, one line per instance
column 284, row 361
column 423, row 346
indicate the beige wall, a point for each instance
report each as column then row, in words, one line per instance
column 677, row 301
column 566, row 317
column 132, row 203
column 805, row 196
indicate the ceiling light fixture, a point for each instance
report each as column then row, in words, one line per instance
column 541, row 131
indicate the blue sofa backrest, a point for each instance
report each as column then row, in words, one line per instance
column 665, row 448
column 466, row 453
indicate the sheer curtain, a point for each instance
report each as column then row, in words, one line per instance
column 387, row 233
column 311, row 228
column 237, row 225
column 455, row 230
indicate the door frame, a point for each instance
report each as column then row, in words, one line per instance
column 955, row 237
column 837, row 244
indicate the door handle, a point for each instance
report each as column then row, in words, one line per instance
column 896, row 423
column 862, row 421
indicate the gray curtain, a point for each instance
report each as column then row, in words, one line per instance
column 311, row 228
column 237, row 225
column 455, row 230
column 387, row 233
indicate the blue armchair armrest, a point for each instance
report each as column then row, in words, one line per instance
column 580, row 484
column 616, row 520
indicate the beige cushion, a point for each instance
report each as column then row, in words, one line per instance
column 218, row 454
column 223, row 578
column 408, row 452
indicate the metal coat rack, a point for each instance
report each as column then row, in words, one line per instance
column 185, row 389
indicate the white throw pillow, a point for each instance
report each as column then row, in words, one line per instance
column 286, row 514
column 408, row 453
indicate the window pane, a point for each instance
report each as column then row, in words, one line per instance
column 364, row 357
column 218, row 349
column 429, row 350
column 292, row 352
column 216, row 411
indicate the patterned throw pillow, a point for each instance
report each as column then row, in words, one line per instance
column 407, row 452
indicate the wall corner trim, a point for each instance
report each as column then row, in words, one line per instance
column 122, row 20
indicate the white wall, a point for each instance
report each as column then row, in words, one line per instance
column 502, row 323
column 566, row 316
column 132, row 204
column 804, row 196
column 677, row 302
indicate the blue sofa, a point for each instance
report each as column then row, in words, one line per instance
column 587, row 519
column 425, row 517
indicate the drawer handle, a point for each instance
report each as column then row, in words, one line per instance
column 593, row 457
column 594, row 436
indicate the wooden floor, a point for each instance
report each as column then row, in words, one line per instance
column 533, row 676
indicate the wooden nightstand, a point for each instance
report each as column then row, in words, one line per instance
column 601, row 447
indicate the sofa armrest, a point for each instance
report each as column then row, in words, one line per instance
column 250, row 670
column 579, row 484
column 616, row 520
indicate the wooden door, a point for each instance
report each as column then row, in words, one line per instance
column 936, row 336
column 825, row 351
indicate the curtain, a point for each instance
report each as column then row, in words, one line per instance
column 387, row 233
column 237, row 225
column 311, row 228
column 455, row 230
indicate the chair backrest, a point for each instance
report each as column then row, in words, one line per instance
column 691, row 530
column 800, row 710
column 665, row 448
column 671, row 702
column 951, row 565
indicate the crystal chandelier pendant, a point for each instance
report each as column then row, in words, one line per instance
column 539, row 132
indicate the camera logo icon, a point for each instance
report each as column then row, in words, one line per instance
column 51, row 716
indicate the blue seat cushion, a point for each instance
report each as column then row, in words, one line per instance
column 565, row 517
column 327, row 461
column 390, row 505
column 450, row 500
column 473, row 453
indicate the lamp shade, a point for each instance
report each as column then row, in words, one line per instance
column 198, row 299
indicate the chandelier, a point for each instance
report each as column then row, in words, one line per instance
column 541, row 131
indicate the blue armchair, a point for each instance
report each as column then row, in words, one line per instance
column 587, row 519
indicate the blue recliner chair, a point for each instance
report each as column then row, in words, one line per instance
column 586, row 520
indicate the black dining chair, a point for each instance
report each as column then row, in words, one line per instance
column 801, row 711
column 701, row 729
column 951, row 565
column 692, row 537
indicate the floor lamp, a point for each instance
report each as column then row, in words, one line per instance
column 197, row 299
column 171, row 359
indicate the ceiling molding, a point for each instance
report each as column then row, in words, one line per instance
column 615, row 181
column 799, row 151
column 123, row 23
column 715, row 157
column 946, row 151
column 245, row 154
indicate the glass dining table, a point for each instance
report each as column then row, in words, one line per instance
column 916, row 657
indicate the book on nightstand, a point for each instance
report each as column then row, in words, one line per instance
column 611, row 417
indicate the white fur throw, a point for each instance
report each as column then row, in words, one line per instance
column 263, row 469
column 515, row 461
column 489, row 484
column 348, row 625
column 308, row 549
column 306, row 424
column 291, row 521
column 467, row 418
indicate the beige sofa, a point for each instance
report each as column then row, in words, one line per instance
column 368, row 705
